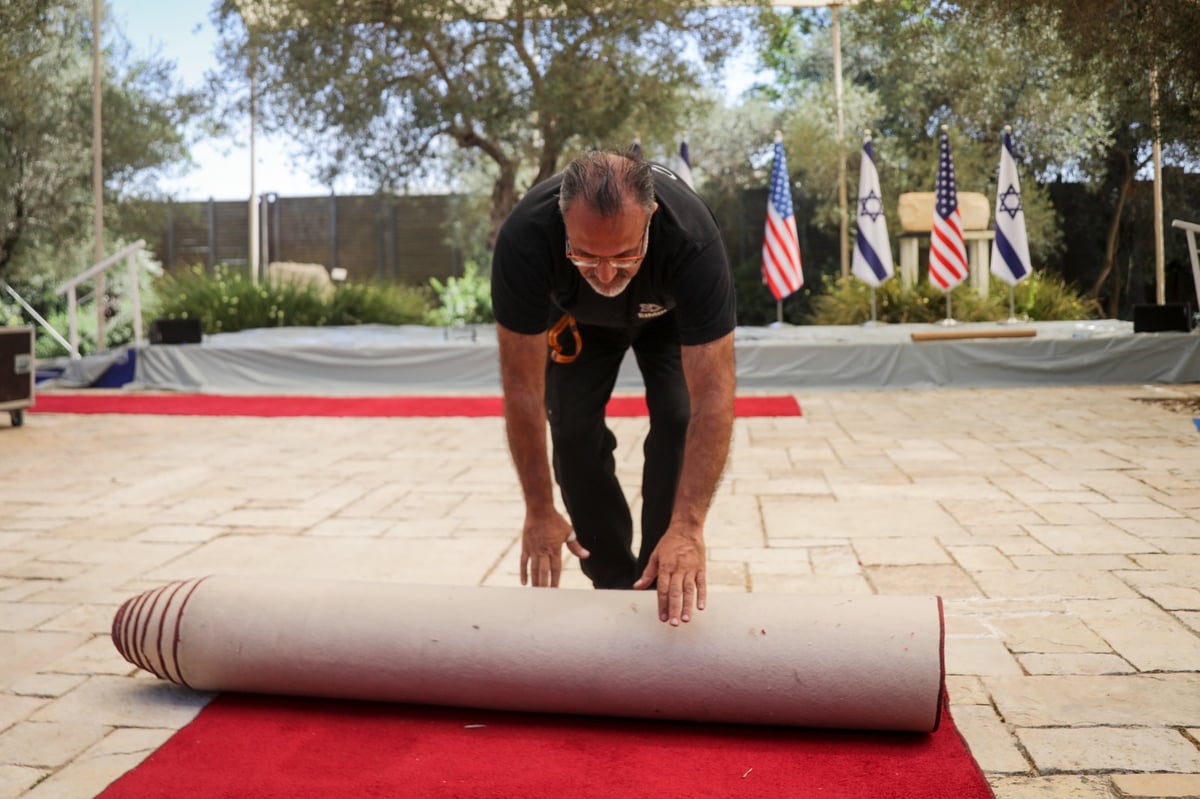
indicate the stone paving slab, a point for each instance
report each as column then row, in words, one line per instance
column 1065, row 542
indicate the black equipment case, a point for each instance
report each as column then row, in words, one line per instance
column 17, row 372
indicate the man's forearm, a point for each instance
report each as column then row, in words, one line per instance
column 522, row 365
column 711, row 381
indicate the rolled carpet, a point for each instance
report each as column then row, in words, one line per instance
column 862, row 662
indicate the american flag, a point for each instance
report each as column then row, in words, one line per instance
column 685, row 162
column 947, row 250
column 781, row 246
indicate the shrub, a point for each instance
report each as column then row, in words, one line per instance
column 1041, row 297
column 1046, row 296
column 463, row 300
column 228, row 301
column 378, row 303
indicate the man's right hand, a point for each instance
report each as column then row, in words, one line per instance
column 541, row 549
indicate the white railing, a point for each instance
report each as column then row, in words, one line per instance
column 29, row 309
column 1191, row 228
column 129, row 255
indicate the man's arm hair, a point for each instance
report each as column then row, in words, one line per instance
column 523, row 377
column 711, row 380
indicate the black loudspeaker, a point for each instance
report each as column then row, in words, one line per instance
column 1174, row 316
column 176, row 331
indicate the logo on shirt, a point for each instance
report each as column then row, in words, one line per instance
column 649, row 310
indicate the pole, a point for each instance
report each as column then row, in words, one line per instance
column 101, row 287
column 253, row 205
column 1160, row 275
column 1160, row 279
column 843, row 201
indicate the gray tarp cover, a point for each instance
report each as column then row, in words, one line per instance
column 381, row 359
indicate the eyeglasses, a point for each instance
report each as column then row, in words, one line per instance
column 621, row 263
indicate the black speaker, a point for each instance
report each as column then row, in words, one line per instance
column 1173, row 316
column 176, row 331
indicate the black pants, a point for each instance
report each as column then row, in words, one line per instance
column 584, row 466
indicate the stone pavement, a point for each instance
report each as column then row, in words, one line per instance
column 1061, row 525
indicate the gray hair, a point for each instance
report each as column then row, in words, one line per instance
column 605, row 180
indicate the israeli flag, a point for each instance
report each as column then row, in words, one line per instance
column 1010, row 249
column 685, row 161
column 872, row 262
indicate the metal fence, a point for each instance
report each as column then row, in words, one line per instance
column 408, row 239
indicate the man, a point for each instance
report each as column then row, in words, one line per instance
column 612, row 254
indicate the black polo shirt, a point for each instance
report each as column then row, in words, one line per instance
column 686, row 271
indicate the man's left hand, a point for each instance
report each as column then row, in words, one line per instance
column 678, row 563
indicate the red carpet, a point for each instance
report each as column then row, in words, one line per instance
column 225, row 405
column 255, row 747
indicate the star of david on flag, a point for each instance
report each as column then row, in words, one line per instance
column 872, row 260
column 1010, row 248
column 947, row 248
column 781, row 245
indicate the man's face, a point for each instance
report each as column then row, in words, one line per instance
column 607, row 250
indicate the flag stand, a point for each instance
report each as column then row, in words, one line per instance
column 779, row 315
column 1012, row 315
column 949, row 320
column 872, row 322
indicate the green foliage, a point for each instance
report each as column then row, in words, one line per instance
column 463, row 300
column 228, row 301
column 1047, row 296
column 1070, row 76
column 381, row 90
column 1041, row 297
column 46, row 127
column 378, row 303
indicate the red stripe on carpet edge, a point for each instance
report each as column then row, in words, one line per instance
column 287, row 405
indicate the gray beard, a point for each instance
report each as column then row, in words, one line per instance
column 609, row 291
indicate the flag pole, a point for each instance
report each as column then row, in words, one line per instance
column 947, row 229
column 949, row 320
column 1010, row 248
column 1012, row 314
column 781, row 265
column 872, row 322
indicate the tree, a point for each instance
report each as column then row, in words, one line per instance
column 911, row 67
column 387, row 89
column 1142, row 55
column 46, row 128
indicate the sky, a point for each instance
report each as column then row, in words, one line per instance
column 182, row 32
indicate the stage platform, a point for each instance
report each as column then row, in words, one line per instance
column 379, row 360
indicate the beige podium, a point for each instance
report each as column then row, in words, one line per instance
column 915, row 211
column 853, row 662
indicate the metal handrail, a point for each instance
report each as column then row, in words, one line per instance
column 38, row 317
column 69, row 288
